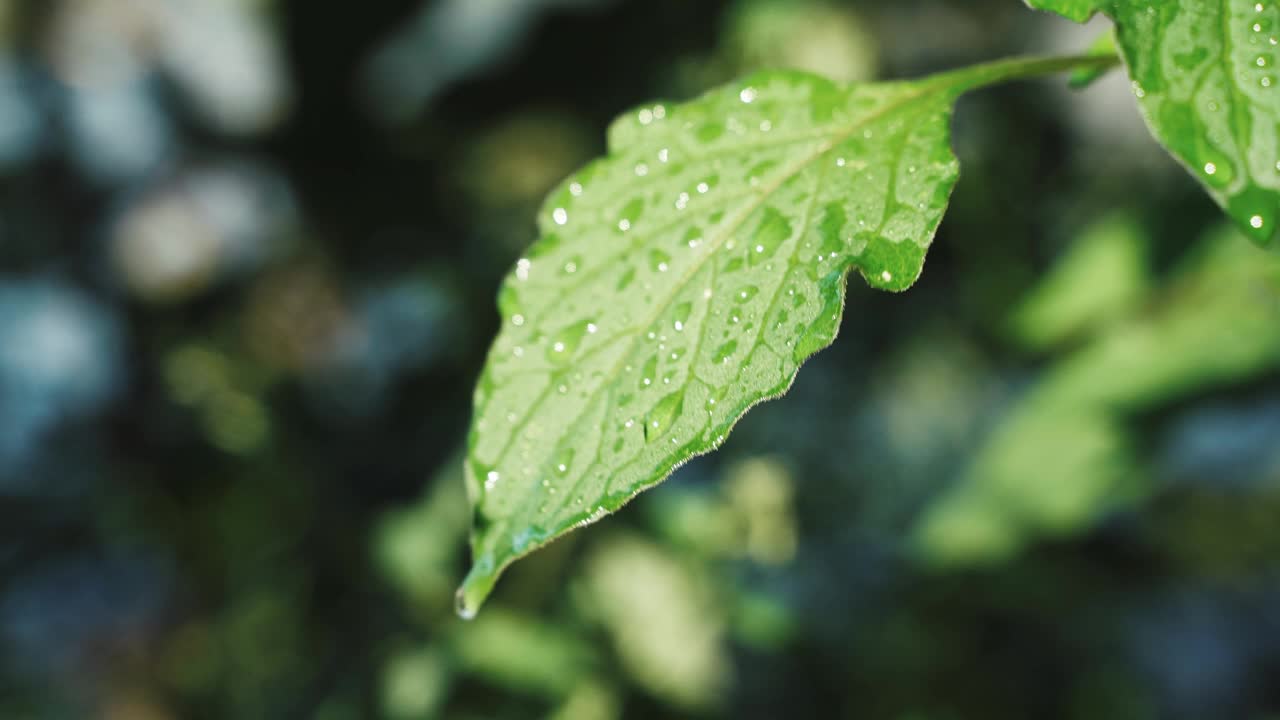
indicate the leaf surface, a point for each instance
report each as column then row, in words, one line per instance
column 1204, row 72
column 685, row 277
column 1078, row 10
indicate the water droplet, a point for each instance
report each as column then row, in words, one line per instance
column 663, row 415
column 774, row 229
column 747, row 95
column 563, row 461
column 560, row 215
column 748, row 292
column 566, row 343
column 709, row 132
column 491, row 480
column 649, row 372
column 462, row 607
column 1256, row 222
column 1219, row 171
column 517, row 320
column 725, row 351
column 642, row 169
column 886, row 276
column 693, row 237
column 759, row 170
column 632, row 211
column 659, row 261
column 681, row 315
column 522, row 268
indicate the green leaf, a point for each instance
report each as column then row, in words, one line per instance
column 1099, row 279
column 1205, row 75
column 686, row 276
column 1104, row 44
column 1078, row 10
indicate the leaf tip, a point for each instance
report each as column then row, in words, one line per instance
column 1257, row 213
column 475, row 589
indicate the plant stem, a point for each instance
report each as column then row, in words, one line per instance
column 1019, row 68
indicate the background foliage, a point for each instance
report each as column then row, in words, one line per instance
column 248, row 258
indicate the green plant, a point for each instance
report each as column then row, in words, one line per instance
column 687, row 275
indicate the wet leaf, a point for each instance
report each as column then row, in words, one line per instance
column 686, row 276
column 1204, row 72
column 1078, row 10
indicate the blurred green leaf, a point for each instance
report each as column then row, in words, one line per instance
column 417, row 548
column 1102, row 276
column 414, row 684
column 590, row 701
column 667, row 625
column 685, row 277
column 1215, row 321
column 522, row 653
column 1044, row 472
column 820, row 37
column 1064, row 454
column 762, row 622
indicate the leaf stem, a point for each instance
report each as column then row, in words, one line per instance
column 1019, row 68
